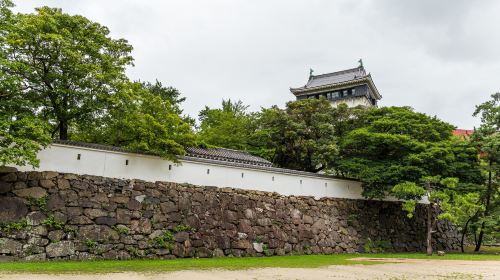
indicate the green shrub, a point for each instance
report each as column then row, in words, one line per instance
column 377, row 246
column 91, row 245
column 52, row 223
column 10, row 227
column 351, row 219
column 122, row 230
column 165, row 240
column 41, row 202
column 179, row 228
column 134, row 252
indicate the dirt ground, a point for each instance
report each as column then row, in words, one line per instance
column 396, row 270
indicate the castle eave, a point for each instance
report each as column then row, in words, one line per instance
column 337, row 86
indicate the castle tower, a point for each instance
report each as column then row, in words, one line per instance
column 353, row 87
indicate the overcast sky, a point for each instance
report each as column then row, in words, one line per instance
column 440, row 57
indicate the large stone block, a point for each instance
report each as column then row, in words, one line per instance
column 60, row 249
column 36, row 218
column 94, row 213
column 5, row 187
column 44, row 183
column 35, row 192
column 99, row 233
column 63, row 184
column 12, row 209
column 10, row 246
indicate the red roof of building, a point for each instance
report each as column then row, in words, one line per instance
column 463, row 133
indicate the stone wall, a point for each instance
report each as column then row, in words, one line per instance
column 49, row 215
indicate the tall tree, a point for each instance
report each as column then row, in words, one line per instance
column 396, row 144
column 169, row 94
column 487, row 139
column 67, row 65
column 140, row 120
column 230, row 126
column 22, row 135
column 397, row 151
column 441, row 198
column 301, row 136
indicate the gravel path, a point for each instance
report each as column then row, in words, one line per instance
column 396, row 270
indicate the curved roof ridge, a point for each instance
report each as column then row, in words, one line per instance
column 339, row 72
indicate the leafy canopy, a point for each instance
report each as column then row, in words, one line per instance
column 394, row 145
column 301, row 136
column 65, row 66
column 139, row 119
column 22, row 134
column 230, row 126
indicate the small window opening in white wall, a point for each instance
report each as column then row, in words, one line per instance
column 242, row 175
column 301, row 182
column 326, row 184
column 273, row 178
column 208, row 171
column 126, row 162
column 169, row 167
column 79, row 156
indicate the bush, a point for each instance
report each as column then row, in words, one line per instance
column 377, row 246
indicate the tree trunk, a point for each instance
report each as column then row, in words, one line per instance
column 429, row 229
column 63, row 130
column 479, row 239
column 464, row 232
column 487, row 207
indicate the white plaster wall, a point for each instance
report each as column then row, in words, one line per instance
column 63, row 158
column 353, row 102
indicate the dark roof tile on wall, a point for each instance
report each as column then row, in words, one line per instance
column 211, row 156
column 227, row 155
column 219, row 154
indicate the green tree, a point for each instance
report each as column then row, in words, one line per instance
column 487, row 139
column 169, row 94
column 396, row 144
column 230, row 126
column 65, row 66
column 141, row 120
column 22, row 135
column 464, row 208
column 301, row 136
column 442, row 198
column 399, row 152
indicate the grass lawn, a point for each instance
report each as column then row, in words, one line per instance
column 309, row 261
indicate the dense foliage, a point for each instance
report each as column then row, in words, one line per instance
column 63, row 76
column 65, row 66
column 22, row 134
column 301, row 136
column 139, row 119
column 396, row 144
column 230, row 126
column 487, row 140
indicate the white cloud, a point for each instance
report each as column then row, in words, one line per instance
column 440, row 57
